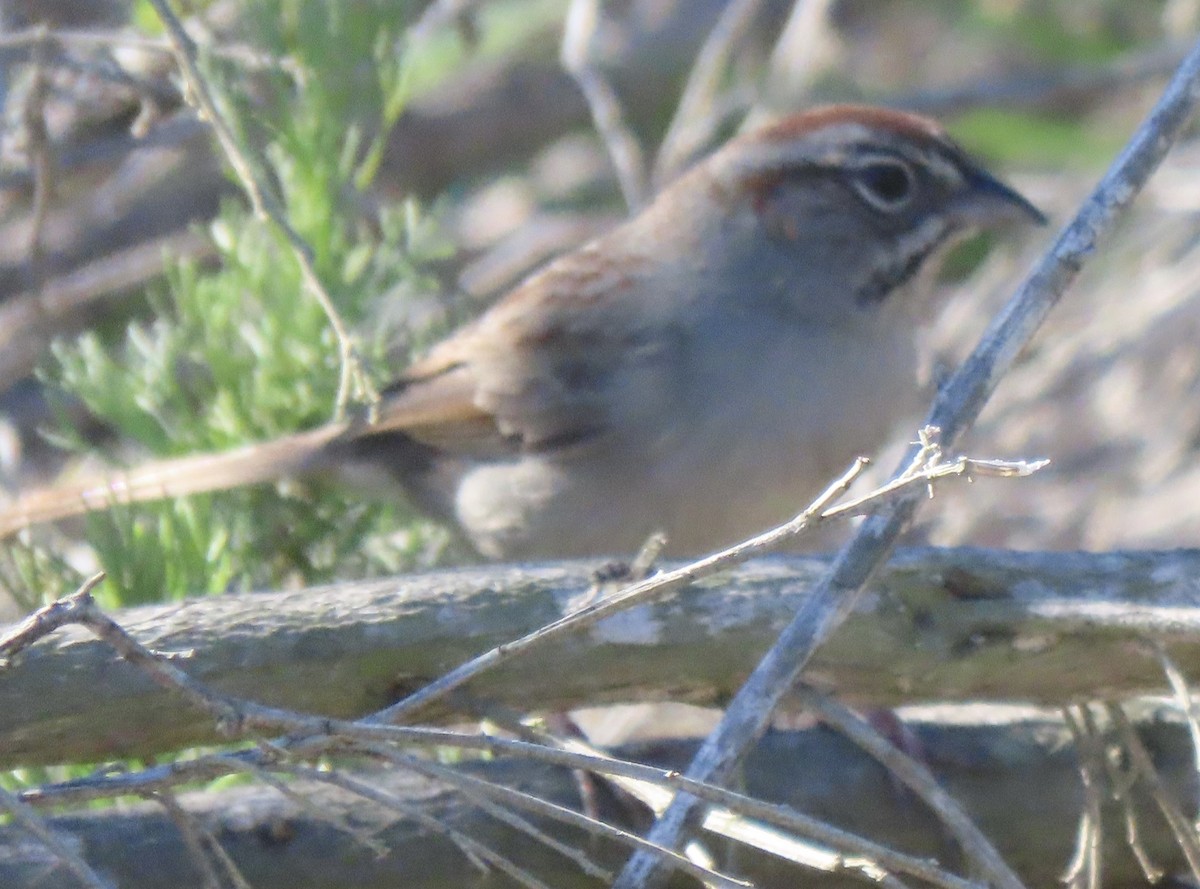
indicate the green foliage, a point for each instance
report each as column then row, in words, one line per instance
column 1004, row 137
column 501, row 26
column 144, row 18
column 1080, row 32
column 244, row 353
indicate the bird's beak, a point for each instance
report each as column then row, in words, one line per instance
column 987, row 202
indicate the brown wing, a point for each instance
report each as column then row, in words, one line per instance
column 438, row 407
column 533, row 373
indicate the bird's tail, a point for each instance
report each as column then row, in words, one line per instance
column 178, row 477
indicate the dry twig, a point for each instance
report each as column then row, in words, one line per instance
column 192, row 837
column 695, row 116
column 475, row 852
column 579, row 32
column 1183, row 830
column 1085, row 867
column 926, row 467
column 913, row 775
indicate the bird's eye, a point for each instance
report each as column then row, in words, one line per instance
column 885, row 184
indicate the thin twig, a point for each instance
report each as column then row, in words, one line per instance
column 80, row 608
column 576, row 55
column 218, row 852
column 47, row 619
column 955, row 408
column 691, row 126
column 1133, row 838
column 517, row 799
column 192, row 838
column 472, row 849
column 917, row 778
column 1083, row 871
column 1183, row 830
column 639, row 593
column 266, row 776
column 529, row 829
column 926, row 467
column 353, row 382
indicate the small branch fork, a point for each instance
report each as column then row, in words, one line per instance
column 926, row 467
column 309, row 736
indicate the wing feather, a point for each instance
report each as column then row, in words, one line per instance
column 533, row 373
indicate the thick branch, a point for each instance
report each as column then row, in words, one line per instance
column 940, row 624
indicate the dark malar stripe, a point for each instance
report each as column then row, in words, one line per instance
column 883, row 281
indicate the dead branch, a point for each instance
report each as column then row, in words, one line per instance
column 938, row 624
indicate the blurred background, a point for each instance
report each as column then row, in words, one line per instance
column 434, row 153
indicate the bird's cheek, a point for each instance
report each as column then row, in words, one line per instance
column 778, row 224
column 776, row 219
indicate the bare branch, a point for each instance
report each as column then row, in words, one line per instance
column 691, row 127
column 192, row 837
column 925, row 467
column 267, row 777
column 576, row 54
column 1085, row 867
column 344, row 650
column 1183, row 830
column 474, row 851
column 917, row 778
